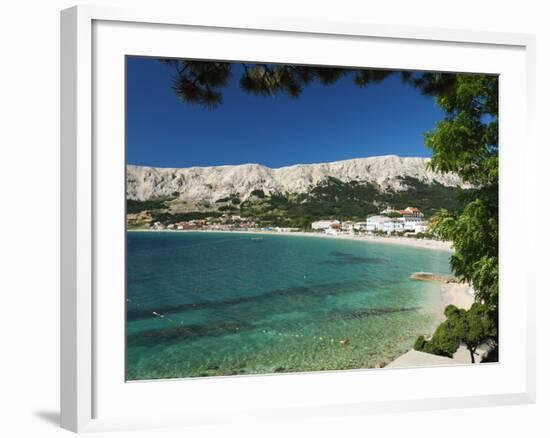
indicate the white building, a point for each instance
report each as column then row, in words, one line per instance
column 421, row 227
column 324, row 224
column 347, row 227
column 158, row 226
column 388, row 225
column 412, row 212
column 393, row 225
column 376, row 223
column 411, row 222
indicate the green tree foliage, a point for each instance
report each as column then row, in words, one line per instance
column 234, row 199
column 351, row 200
column 393, row 214
column 227, row 208
column 171, row 218
column 135, row 206
column 469, row 327
column 466, row 142
column 474, row 233
column 202, row 82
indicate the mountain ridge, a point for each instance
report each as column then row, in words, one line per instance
column 210, row 183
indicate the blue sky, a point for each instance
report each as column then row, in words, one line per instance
column 326, row 123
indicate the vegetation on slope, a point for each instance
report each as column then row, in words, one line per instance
column 135, row 206
column 351, row 201
column 331, row 199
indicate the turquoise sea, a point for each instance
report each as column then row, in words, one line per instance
column 207, row 304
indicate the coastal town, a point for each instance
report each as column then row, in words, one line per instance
column 407, row 222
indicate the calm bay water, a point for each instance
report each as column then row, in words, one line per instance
column 205, row 304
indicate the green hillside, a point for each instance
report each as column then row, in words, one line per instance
column 331, row 199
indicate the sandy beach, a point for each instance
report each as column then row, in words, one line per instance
column 394, row 240
column 459, row 294
column 439, row 245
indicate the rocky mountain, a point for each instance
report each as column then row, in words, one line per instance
column 207, row 185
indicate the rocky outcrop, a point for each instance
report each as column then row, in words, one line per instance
column 428, row 276
column 208, row 184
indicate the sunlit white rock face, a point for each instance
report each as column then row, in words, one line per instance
column 198, row 184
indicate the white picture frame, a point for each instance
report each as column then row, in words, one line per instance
column 91, row 392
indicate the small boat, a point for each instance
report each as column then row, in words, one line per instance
column 256, row 238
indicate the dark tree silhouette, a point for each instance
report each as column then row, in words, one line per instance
column 202, row 82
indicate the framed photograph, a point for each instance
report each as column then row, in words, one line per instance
column 288, row 218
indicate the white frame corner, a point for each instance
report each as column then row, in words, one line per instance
column 77, row 196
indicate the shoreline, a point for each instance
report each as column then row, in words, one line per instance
column 460, row 295
column 452, row 291
column 438, row 245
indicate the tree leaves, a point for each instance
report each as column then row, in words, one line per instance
column 470, row 327
column 474, row 233
column 201, row 82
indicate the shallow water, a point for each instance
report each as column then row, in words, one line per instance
column 205, row 304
